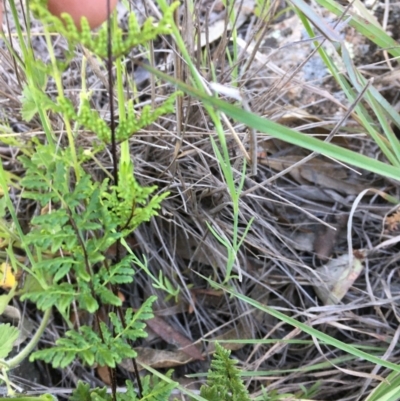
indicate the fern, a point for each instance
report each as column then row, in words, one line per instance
column 123, row 42
column 133, row 124
column 81, row 224
column 83, row 392
column 223, row 380
column 154, row 389
column 8, row 335
column 79, row 218
column 106, row 348
column 91, row 120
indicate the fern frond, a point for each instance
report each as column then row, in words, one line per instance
column 60, row 295
column 83, row 392
column 87, row 346
column 133, row 123
column 8, row 335
column 223, row 380
column 154, row 389
column 136, row 35
column 123, row 42
column 134, row 321
column 107, row 349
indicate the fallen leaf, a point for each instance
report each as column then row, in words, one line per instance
column 174, row 337
column 335, row 278
column 319, row 172
column 121, row 296
column 104, row 374
column 157, row 358
column 326, row 237
column 302, row 240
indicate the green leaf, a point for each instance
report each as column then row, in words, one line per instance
column 5, row 300
column 154, row 388
column 8, row 335
column 88, row 357
column 108, row 297
column 2, row 207
column 62, row 271
column 29, row 108
column 88, row 303
column 43, row 397
column 32, row 98
column 83, row 392
column 105, row 357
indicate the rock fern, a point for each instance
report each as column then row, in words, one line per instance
column 223, row 380
column 79, row 216
column 105, row 348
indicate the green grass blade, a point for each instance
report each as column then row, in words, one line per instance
column 307, row 329
column 286, row 134
column 371, row 31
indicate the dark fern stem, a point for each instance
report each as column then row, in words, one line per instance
column 115, row 175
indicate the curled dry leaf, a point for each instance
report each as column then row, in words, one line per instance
column 316, row 171
column 156, row 358
column 326, row 237
column 104, row 374
column 301, row 240
column 174, row 337
column 335, row 278
column 324, row 242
